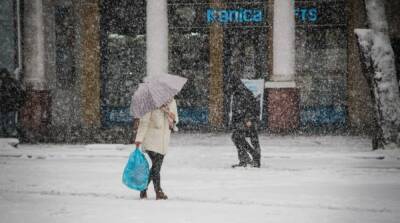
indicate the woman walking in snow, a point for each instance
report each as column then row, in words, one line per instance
column 153, row 135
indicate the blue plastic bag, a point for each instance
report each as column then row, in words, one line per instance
column 136, row 172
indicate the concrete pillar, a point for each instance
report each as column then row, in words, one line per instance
column 34, row 116
column 216, row 92
column 284, row 41
column 90, row 62
column 156, row 37
column 270, row 38
column 282, row 94
column 34, row 54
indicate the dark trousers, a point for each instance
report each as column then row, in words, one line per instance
column 244, row 149
column 156, row 163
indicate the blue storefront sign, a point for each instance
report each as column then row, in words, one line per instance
column 234, row 15
column 202, row 15
column 323, row 115
column 187, row 115
column 193, row 115
column 320, row 13
column 117, row 115
column 306, row 14
column 245, row 15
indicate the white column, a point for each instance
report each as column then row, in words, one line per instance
column 19, row 40
column 34, row 57
column 157, row 37
column 283, row 41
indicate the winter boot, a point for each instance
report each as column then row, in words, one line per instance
column 143, row 194
column 161, row 196
column 241, row 164
column 256, row 164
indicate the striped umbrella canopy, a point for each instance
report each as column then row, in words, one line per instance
column 155, row 92
column 172, row 81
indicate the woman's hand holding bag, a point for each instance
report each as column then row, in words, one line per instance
column 136, row 171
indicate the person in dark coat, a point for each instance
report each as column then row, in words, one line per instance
column 12, row 98
column 245, row 113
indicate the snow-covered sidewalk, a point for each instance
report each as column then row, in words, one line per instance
column 302, row 179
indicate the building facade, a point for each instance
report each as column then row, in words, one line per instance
column 82, row 60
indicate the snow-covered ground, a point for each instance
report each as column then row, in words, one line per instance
column 302, row 179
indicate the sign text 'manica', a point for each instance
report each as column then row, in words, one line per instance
column 234, row 15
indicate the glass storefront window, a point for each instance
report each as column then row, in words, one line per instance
column 189, row 57
column 321, row 62
column 245, row 57
column 123, row 63
column 245, row 52
column 244, row 29
column 8, row 35
column 65, row 47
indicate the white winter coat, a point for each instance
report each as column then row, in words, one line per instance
column 153, row 130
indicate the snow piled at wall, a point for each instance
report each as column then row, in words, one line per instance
column 376, row 44
column 8, row 143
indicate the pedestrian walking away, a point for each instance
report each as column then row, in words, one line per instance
column 245, row 123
